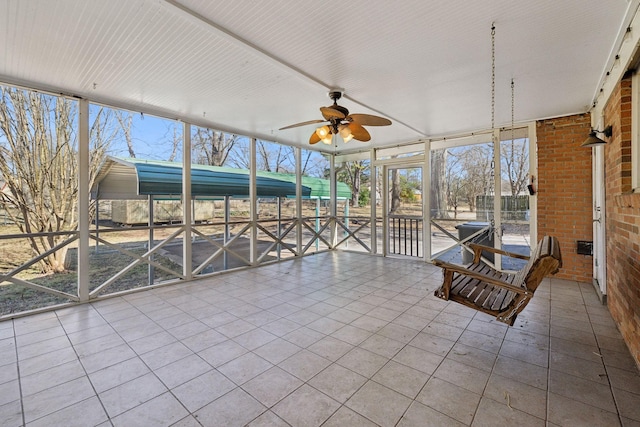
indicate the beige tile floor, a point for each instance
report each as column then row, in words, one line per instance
column 335, row 339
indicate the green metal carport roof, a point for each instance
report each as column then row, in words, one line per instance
column 130, row 178
column 320, row 188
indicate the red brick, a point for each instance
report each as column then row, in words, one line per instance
column 564, row 197
column 623, row 214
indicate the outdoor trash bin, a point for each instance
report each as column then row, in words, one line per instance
column 485, row 238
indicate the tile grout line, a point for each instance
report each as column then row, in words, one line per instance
column 86, row 374
column 368, row 379
column 97, row 395
column 604, row 365
column 548, row 392
column 495, row 361
column 15, row 343
column 151, row 370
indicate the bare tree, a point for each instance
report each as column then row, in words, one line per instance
column 352, row 174
column 455, row 194
column 39, row 164
column 272, row 157
column 126, row 120
column 313, row 163
column 475, row 160
column 395, row 191
column 454, row 180
column 438, row 192
column 212, row 147
column 176, row 142
column 515, row 160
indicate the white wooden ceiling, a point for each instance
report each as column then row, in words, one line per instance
column 254, row 66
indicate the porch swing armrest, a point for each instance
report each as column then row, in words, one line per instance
column 477, row 275
column 477, row 249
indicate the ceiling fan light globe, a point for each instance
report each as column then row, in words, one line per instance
column 323, row 131
column 327, row 139
column 345, row 133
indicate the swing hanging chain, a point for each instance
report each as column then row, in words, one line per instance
column 513, row 115
column 512, row 108
column 493, row 124
column 493, row 76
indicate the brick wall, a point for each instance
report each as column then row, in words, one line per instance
column 622, row 221
column 565, row 190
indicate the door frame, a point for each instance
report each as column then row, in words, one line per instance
column 416, row 162
column 599, row 221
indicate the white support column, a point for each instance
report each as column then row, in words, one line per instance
column 298, row 152
column 253, row 204
column 373, row 198
column 227, row 229
column 426, row 202
column 150, row 223
column 317, row 228
column 533, row 171
column 187, row 214
column 497, row 198
column 279, row 233
column 385, row 210
column 333, row 204
column 83, row 200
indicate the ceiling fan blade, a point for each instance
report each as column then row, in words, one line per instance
column 331, row 113
column 369, row 120
column 359, row 132
column 310, row 122
column 314, row 138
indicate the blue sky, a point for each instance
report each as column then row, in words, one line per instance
column 152, row 138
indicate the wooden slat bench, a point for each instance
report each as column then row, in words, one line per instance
column 499, row 294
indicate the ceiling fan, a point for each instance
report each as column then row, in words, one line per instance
column 339, row 121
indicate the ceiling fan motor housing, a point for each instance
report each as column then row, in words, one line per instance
column 335, row 95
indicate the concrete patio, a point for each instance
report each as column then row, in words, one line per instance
column 334, row 339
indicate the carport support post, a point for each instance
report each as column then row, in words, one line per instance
column 187, row 266
column 83, row 201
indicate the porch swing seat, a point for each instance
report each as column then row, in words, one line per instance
column 499, row 294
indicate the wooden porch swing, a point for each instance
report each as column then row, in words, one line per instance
column 482, row 287
column 499, row 294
